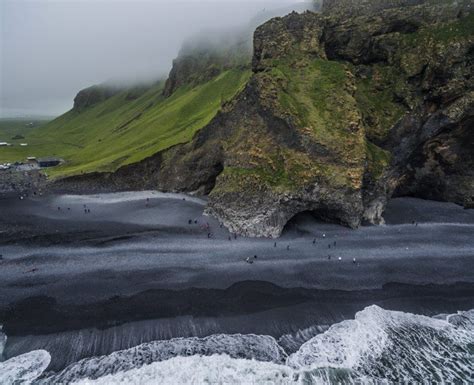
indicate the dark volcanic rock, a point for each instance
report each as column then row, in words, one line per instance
column 340, row 113
column 93, row 95
column 364, row 7
column 206, row 60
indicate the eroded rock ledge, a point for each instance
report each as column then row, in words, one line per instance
column 339, row 114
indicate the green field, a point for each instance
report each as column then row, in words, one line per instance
column 123, row 130
column 12, row 127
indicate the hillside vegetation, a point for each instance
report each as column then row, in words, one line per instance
column 128, row 126
column 339, row 113
column 13, row 129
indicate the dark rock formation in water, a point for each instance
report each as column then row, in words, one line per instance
column 342, row 111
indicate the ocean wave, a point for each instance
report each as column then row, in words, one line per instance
column 24, row 369
column 378, row 347
column 222, row 369
column 395, row 346
column 261, row 348
column 292, row 342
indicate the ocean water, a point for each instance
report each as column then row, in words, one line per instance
column 377, row 347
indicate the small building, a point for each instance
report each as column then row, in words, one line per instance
column 4, row 144
column 23, row 144
column 48, row 162
column 31, row 159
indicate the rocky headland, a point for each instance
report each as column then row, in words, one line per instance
column 343, row 110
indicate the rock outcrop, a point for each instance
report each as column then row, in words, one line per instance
column 200, row 65
column 365, row 7
column 93, row 95
column 340, row 114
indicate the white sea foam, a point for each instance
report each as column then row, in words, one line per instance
column 217, row 369
column 377, row 347
column 220, row 370
column 261, row 348
column 345, row 344
column 25, row 368
column 293, row 341
column 395, row 346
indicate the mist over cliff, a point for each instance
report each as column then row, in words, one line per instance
column 51, row 50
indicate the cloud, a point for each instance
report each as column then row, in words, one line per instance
column 52, row 49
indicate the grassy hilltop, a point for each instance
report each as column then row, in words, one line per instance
column 124, row 128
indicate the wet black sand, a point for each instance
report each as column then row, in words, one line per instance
column 131, row 260
column 70, row 333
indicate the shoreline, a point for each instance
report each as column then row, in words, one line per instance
column 247, row 308
column 124, row 269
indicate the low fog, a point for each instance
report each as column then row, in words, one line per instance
column 52, row 49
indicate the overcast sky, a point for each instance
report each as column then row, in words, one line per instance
column 49, row 50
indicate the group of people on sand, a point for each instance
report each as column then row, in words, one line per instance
column 86, row 209
column 203, row 226
column 206, row 227
column 333, row 244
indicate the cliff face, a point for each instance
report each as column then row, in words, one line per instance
column 365, row 7
column 201, row 65
column 339, row 114
column 93, row 95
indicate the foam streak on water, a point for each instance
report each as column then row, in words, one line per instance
column 378, row 346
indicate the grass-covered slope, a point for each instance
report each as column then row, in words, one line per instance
column 339, row 114
column 13, row 130
column 126, row 127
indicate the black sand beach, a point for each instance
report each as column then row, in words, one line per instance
column 134, row 269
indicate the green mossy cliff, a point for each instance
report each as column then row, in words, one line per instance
column 340, row 113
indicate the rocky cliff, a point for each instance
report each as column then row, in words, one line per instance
column 197, row 65
column 93, row 95
column 366, row 7
column 341, row 112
